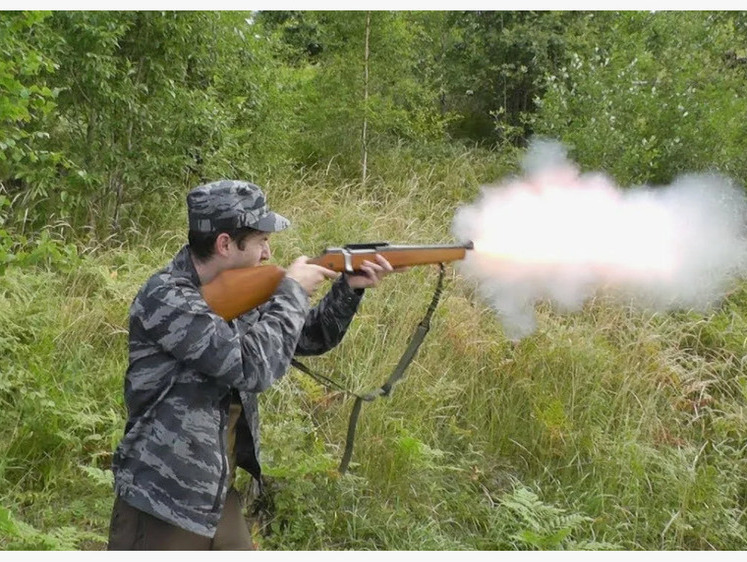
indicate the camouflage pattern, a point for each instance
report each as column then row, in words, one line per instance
column 184, row 362
column 230, row 204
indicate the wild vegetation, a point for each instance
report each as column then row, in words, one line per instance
column 611, row 428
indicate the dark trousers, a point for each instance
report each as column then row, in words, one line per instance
column 132, row 529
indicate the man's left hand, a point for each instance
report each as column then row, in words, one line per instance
column 372, row 273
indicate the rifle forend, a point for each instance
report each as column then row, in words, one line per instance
column 349, row 258
column 237, row 291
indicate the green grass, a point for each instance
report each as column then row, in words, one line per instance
column 608, row 428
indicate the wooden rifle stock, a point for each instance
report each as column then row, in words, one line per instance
column 237, row 291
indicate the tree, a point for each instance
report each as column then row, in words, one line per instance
column 493, row 67
column 146, row 100
column 647, row 96
column 402, row 100
column 26, row 104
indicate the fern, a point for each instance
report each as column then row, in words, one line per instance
column 544, row 527
column 17, row 535
column 103, row 478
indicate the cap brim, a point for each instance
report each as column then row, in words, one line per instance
column 271, row 222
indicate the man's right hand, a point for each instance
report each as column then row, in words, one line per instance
column 308, row 275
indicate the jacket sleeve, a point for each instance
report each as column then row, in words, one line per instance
column 327, row 322
column 183, row 325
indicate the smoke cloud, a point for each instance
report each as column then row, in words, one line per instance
column 559, row 236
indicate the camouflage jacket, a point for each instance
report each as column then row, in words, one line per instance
column 185, row 361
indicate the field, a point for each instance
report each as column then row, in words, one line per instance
column 612, row 428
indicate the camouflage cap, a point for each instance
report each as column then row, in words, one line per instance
column 229, row 204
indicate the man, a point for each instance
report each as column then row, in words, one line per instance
column 192, row 379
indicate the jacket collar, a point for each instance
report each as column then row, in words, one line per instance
column 183, row 266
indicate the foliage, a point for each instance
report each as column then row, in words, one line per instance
column 26, row 103
column 493, row 66
column 326, row 50
column 648, row 96
column 107, row 117
column 605, row 429
column 17, row 535
column 142, row 100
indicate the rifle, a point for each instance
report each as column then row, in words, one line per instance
column 237, row 291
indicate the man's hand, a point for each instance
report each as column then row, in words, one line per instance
column 308, row 275
column 372, row 273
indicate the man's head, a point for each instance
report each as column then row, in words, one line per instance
column 230, row 219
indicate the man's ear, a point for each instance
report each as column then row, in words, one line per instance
column 222, row 241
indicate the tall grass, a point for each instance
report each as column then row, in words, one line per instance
column 609, row 428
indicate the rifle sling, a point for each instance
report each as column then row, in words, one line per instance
column 386, row 388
